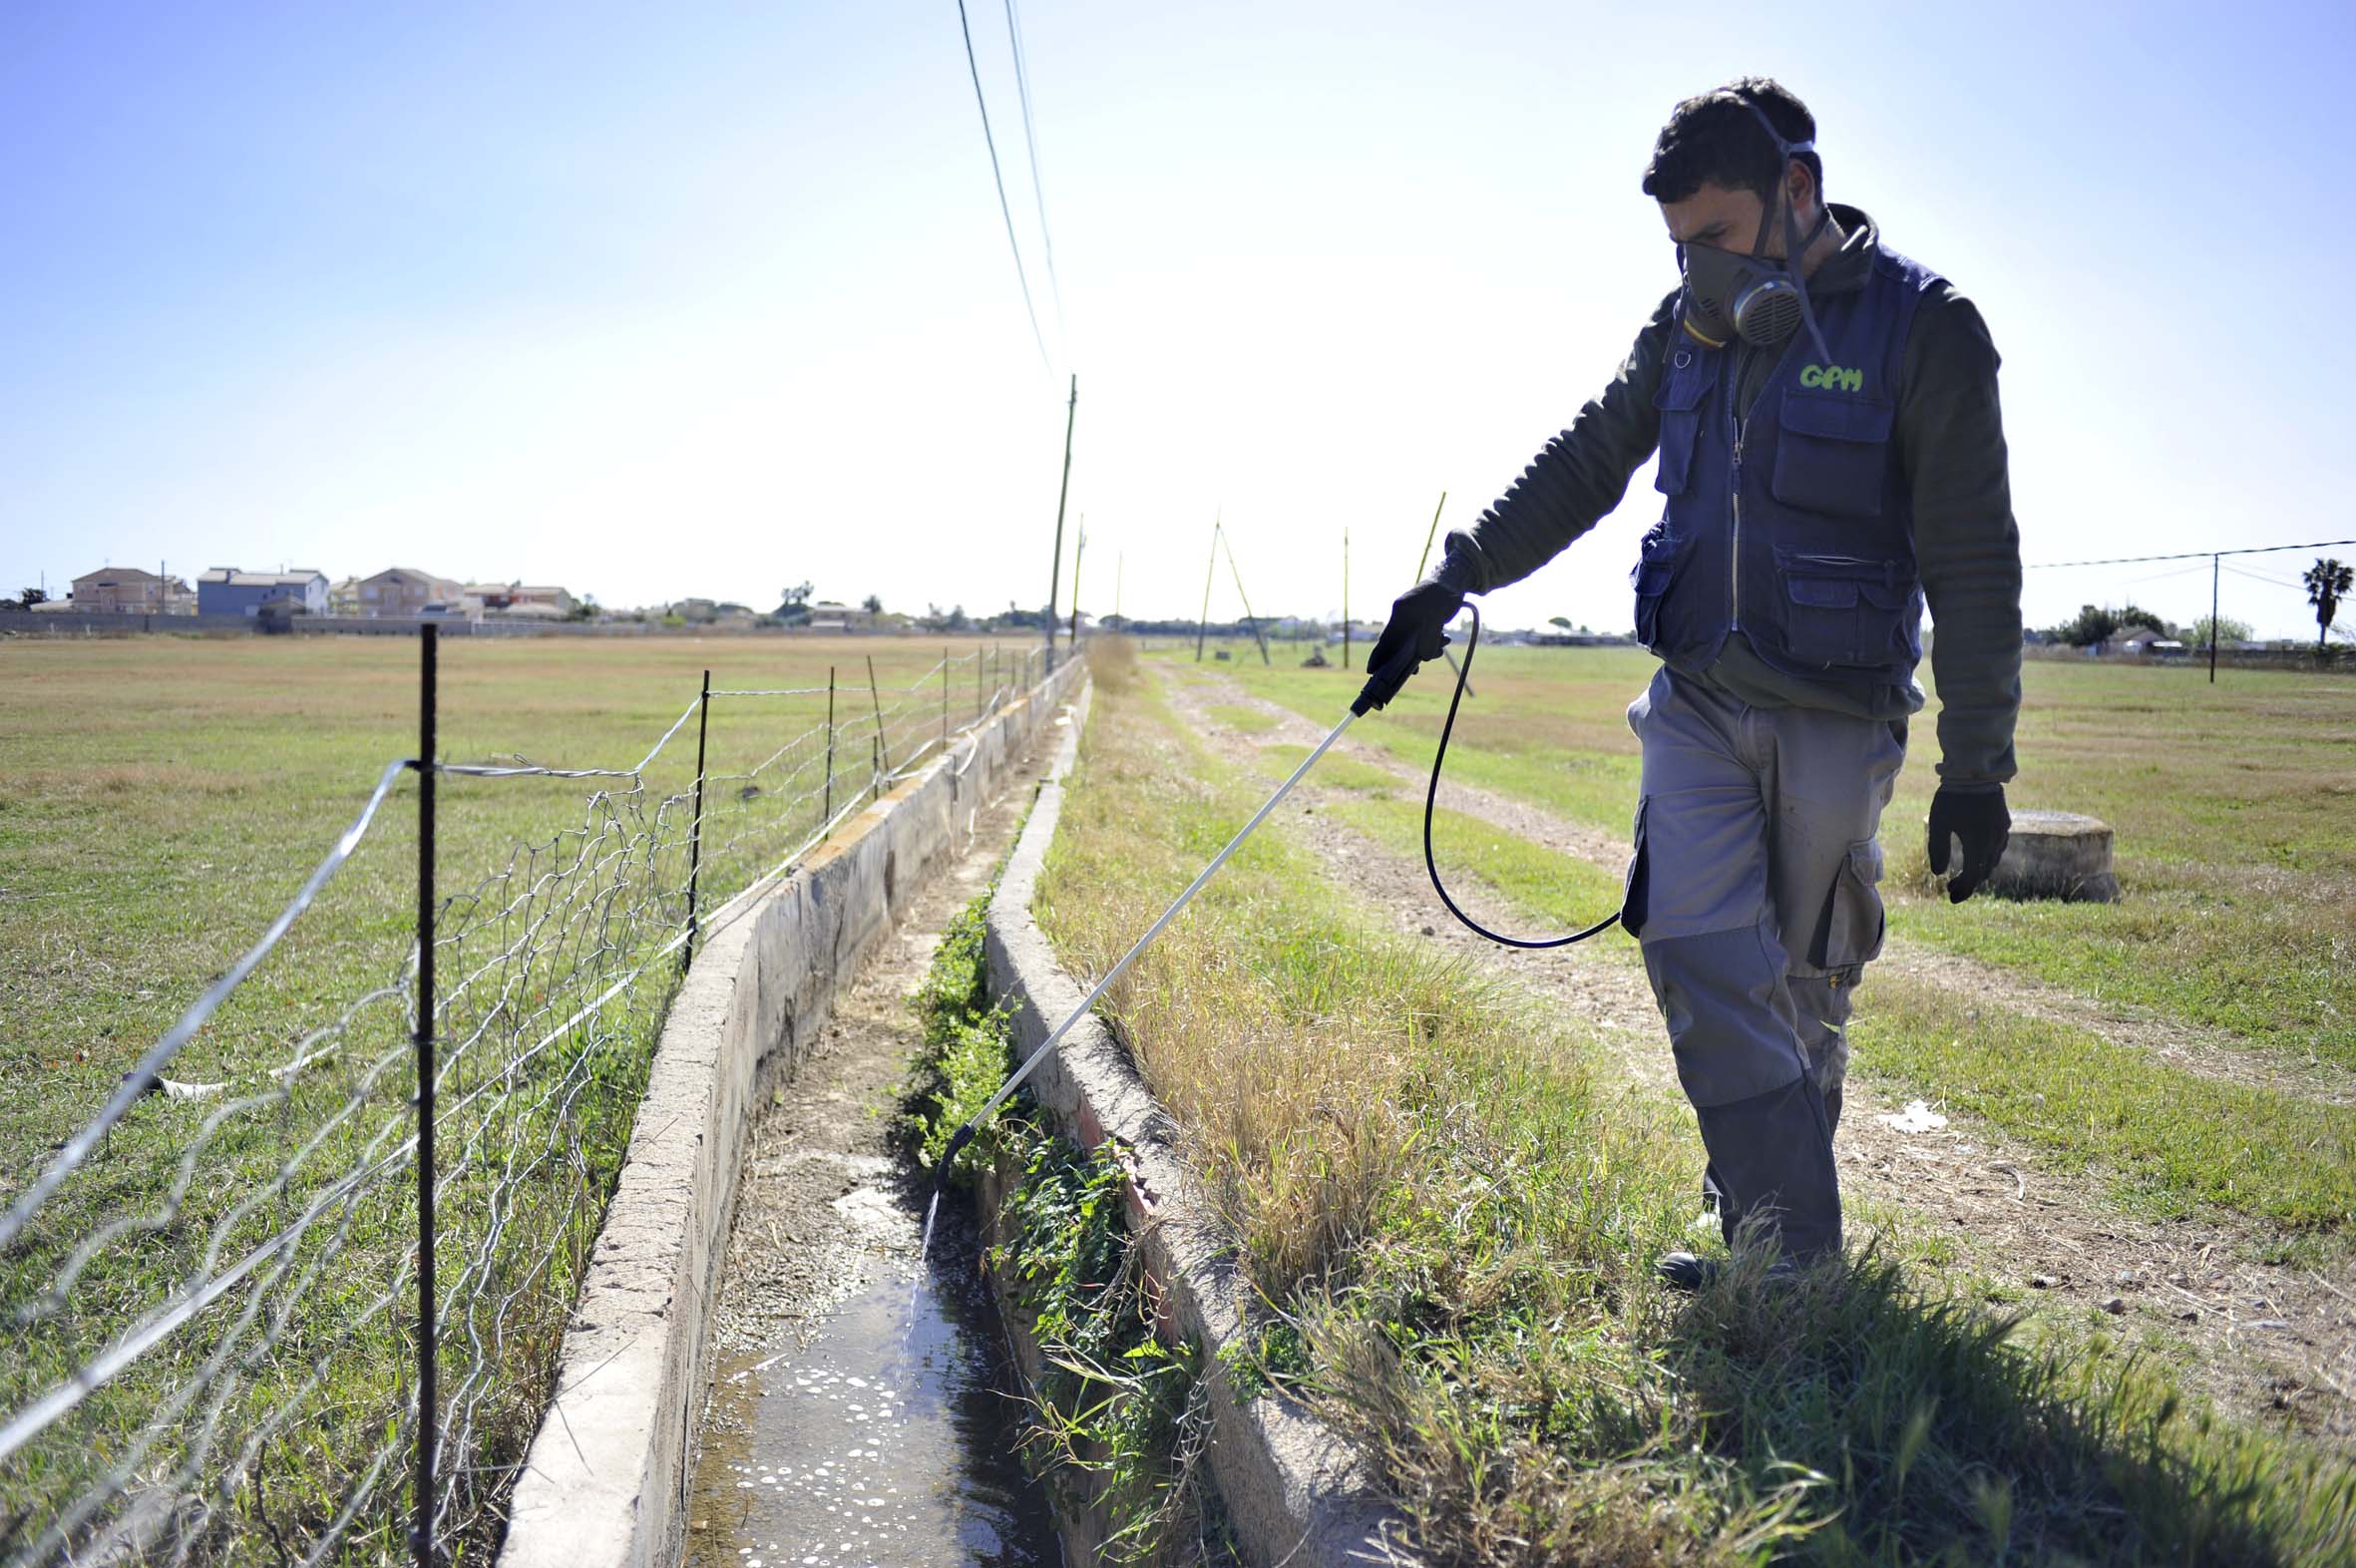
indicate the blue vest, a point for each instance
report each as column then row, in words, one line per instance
column 1790, row 519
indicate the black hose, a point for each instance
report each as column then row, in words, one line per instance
column 1431, row 801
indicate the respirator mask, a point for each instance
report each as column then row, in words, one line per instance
column 1759, row 298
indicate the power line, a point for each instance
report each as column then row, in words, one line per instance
column 2162, row 576
column 2259, row 576
column 2188, row 555
column 1000, row 180
column 1030, row 143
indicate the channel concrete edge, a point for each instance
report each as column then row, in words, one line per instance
column 605, row 1480
column 1296, row 1493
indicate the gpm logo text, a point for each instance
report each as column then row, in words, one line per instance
column 1832, row 378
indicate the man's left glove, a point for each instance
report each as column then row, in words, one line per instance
column 1418, row 621
column 1976, row 818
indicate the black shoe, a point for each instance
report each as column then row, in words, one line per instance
column 1683, row 1270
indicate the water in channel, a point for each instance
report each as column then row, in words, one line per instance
column 890, row 1438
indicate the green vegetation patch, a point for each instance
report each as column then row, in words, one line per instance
column 1119, row 1420
column 1252, row 721
column 160, row 800
column 2232, row 959
column 2234, row 806
column 1454, row 1205
column 1122, row 1419
column 2173, row 1140
column 1334, row 772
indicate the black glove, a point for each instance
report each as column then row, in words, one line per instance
column 1414, row 635
column 1977, row 819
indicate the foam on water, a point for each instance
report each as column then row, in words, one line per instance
column 888, row 1438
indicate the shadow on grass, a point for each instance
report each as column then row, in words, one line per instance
column 1932, row 1438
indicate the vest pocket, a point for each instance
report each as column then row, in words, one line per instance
column 1843, row 609
column 1678, row 399
column 1656, row 568
column 1831, row 454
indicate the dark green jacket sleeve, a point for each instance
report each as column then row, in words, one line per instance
column 1579, row 477
column 1951, row 441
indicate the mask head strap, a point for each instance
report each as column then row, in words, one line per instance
column 1794, row 245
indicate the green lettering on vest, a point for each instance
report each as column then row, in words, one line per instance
column 1833, row 378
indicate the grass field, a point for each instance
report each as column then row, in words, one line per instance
column 1448, row 1203
column 2235, row 808
column 160, row 800
column 2227, row 936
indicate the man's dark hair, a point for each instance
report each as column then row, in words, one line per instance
column 1716, row 140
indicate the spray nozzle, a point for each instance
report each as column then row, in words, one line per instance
column 949, row 1156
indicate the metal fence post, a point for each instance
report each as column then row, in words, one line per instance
column 421, row 1531
column 944, row 699
column 875, row 767
column 703, row 715
column 882, row 750
column 829, row 814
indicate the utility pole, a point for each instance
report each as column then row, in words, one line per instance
column 1079, row 550
column 1055, row 574
column 1120, row 563
column 1345, row 597
column 1430, row 535
column 1248, row 619
column 1209, row 571
column 2214, row 564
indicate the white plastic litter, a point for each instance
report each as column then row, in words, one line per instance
column 1916, row 1118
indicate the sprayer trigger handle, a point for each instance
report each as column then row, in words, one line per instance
column 1384, row 683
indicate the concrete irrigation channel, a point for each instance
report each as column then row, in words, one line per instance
column 748, row 1314
column 762, row 1370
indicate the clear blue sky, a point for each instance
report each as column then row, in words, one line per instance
column 712, row 298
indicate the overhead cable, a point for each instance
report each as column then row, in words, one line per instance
column 1000, row 178
column 2188, row 555
column 1030, row 144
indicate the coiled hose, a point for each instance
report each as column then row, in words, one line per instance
column 1431, row 803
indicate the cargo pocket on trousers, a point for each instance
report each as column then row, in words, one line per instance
column 1632, row 896
column 1849, row 935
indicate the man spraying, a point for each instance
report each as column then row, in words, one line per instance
column 1830, row 456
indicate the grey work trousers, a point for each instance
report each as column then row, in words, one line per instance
column 1754, row 893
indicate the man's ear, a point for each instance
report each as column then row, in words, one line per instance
column 1799, row 186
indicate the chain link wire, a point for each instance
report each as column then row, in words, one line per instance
column 208, row 1292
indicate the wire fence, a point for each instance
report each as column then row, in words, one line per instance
column 217, row 1338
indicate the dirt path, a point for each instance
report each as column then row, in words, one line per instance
column 2263, row 1339
column 2211, row 1053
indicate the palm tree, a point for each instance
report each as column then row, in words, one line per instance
column 2328, row 582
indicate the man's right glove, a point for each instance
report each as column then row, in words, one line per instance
column 1418, row 618
column 1977, row 819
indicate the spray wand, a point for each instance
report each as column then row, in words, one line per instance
column 1380, row 687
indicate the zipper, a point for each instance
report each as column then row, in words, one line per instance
column 1741, row 420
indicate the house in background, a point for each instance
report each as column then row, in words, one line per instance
column 2133, row 640
column 343, row 598
column 226, row 591
column 128, row 590
column 405, row 590
column 827, row 615
column 518, row 600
